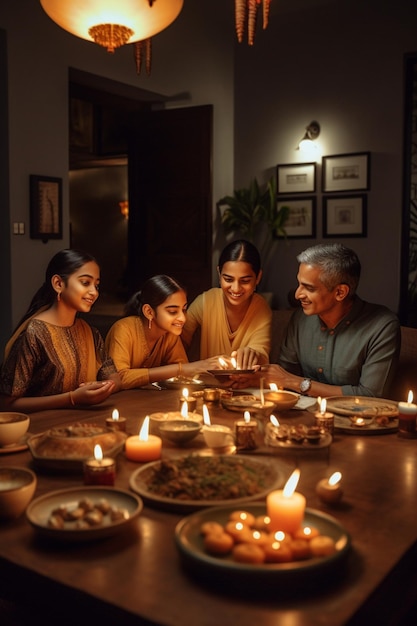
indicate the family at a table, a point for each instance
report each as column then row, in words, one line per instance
column 335, row 344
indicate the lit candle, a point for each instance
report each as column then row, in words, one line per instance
column 285, row 507
column 245, row 431
column 99, row 470
column 216, row 435
column 262, row 392
column 234, row 362
column 329, row 491
column 115, row 422
column 143, row 447
column 273, row 387
column 186, row 398
column 407, row 415
column 222, row 363
column 323, row 419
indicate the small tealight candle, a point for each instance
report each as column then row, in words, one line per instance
column 191, row 402
column 245, row 431
column 329, row 490
column 211, row 395
column 115, row 422
column 323, row 419
column 286, row 507
column 216, row 435
column 143, row 447
column 407, row 415
column 99, row 470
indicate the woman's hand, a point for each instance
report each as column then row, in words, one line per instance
column 93, row 392
column 246, row 358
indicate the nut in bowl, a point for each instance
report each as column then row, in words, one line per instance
column 12, row 428
column 17, row 486
column 282, row 399
column 179, row 431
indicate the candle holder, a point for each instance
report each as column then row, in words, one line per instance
column 245, row 435
column 330, row 494
column 211, row 395
column 99, row 472
column 325, row 422
column 118, row 424
column 191, row 403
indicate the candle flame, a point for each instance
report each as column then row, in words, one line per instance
column 307, row 531
column 144, row 431
column 115, row 415
column 360, row 421
column 234, row 362
column 410, row 397
column 246, row 417
column 291, row 484
column 184, row 409
column 206, row 416
column 334, row 478
column 274, row 420
column 98, row 453
column 185, row 393
column 273, row 386
column 222, row 363
column 279, row 535
column 323, row 406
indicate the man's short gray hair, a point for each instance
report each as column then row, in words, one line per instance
column 337, row 263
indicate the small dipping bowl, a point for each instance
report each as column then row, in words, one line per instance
column 179, row 431
column 17, row 486
column 160, row 418
column 283, row 400
column 218, row 436
column 12, row 428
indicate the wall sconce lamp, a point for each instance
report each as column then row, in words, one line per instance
column 312, row 132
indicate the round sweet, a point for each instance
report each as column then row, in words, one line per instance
column 211, row 527
column 248, row 553
column 300, row 549
column 218, row 542
column 238, row 530
column 243, row 516
column 322, row 546
column 261, row 522
column 277, row 552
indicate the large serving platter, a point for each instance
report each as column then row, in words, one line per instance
column 344, row 425
column 140, row 480
column 189, row 541
column 40, row 510
column 361, row 406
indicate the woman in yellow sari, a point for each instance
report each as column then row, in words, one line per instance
column 55, row 359
column 233, row 319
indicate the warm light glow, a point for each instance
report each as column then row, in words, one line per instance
column 130, row 20
column 98, row 453
column 206, row 416
column 273, row 386
column 234, row 363
column 222, row 363
column 144, row 431
column 335, row 478
column 115, row 415
column 274, row 421
column 262, row 392
column 323, row 406
column 246, row 417
column 410, row 397
column 124, row 208
column 279, row 535
column 291, row 484
column 184, row 409
column 185, row 393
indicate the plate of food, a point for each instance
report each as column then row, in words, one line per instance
column 297, row 437
column 67, row 447
column 362, row 406
column 193, row 482
column 239, row 402
column 357, row 425
column 328, row 544
column 83, row 513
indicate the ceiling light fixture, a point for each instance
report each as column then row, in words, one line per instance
column 251, row 8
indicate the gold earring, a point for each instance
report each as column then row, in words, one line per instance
column 58, row 296
column 150, row 323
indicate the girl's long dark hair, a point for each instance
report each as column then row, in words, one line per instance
column 241, row 250
column 154, row 292
column 64, row 264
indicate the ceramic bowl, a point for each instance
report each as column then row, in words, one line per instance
column 17, row 486
column 156, row 420
column 282, row 399
column 12, row 427
column 218, row 436
column 179, row 431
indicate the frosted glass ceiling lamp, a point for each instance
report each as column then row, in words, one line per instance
column 113, row 23
column 307, row 142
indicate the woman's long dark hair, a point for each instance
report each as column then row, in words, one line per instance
column 241, row 250
column 154, row 292
column 64, row 264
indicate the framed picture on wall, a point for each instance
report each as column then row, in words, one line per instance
column 45, row 207
column 296, row 178
column 301, row 222
column 346, row 172
column 344, row 216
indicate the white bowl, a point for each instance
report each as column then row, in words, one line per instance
column 156, row 419
column 218, row 436
column 179, row 431
column 17, row 486
column 12, row 427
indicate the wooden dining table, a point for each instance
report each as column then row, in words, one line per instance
column 139, row 576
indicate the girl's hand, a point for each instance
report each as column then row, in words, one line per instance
column 93, row 392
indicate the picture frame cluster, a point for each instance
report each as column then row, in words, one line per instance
column 345, row 179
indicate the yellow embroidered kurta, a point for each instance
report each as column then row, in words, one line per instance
column 46, row 359
column 208, row 312
column 126, row 344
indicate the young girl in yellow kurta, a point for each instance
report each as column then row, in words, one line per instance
column 234, row 320
column 146, row 345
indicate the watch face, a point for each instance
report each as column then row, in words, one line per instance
column 305, row 385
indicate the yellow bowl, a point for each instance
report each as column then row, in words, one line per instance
column 17, row 486
column 282, row 399
column 12, row 427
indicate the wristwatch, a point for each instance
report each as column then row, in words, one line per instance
column 305, row 386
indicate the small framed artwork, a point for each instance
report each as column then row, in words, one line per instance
column 346, row 172
column 301, row 221
column 45, row 207
column 344, row 216
column 296, row 178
